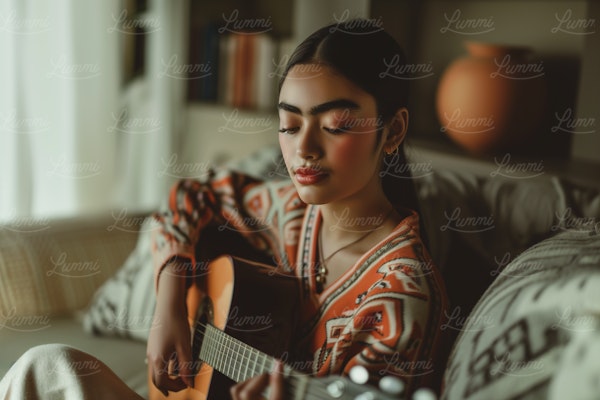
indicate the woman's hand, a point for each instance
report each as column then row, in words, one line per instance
column 169, row 344
column 253, row 388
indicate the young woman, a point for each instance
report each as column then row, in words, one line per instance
column 347, row 229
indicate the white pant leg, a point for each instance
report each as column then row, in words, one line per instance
column 58, row 372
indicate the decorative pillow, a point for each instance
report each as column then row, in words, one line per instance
column 526, row 333
column 124, row 305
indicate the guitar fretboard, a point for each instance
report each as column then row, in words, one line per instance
column 231, row 357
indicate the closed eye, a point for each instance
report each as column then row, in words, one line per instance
column 335, row 131
column 288, row 130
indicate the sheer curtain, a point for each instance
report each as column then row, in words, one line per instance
column 66, row 147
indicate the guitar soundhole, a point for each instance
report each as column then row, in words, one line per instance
column 204, row 316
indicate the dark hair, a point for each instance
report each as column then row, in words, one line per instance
column 359, row 50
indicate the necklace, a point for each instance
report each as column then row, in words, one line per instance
column 321, row 270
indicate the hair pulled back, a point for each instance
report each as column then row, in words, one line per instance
column 359, row 50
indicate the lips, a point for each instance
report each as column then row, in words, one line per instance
column 309, row 176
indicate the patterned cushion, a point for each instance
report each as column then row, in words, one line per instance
column 536, row 317
column 124, row 305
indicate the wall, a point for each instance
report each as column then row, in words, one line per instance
column 586, row 144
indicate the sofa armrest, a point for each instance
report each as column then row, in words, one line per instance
column 53, row 267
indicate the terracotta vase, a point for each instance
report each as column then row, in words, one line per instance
column 493, row 99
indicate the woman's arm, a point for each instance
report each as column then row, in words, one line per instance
column 219, row 200
column 170, row 338
column 227, row 202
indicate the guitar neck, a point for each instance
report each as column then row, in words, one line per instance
column 239, row 362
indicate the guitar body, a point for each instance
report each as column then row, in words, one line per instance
column 249, row 301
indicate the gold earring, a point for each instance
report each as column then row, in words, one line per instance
column 394, row 151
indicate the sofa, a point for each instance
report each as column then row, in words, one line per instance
column 520, row 256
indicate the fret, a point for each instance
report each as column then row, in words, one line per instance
column 230, row 367
column 264, row 364
column 246, row 356
column 255, row 370
column 237, row 363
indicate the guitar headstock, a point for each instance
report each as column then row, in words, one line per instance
column 338, row 387
column 355, row 388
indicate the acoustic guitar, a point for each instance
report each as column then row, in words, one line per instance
column 242, row 316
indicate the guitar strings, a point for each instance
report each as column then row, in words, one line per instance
column 222, row 344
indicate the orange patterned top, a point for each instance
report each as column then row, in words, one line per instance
column 384, row 313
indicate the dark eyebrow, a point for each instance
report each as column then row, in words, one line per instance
column 321, row 108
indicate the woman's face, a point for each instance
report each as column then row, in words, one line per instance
column 328, row 136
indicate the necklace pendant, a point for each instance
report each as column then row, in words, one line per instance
column 321, row 274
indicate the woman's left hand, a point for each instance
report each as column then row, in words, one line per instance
column 254, row 388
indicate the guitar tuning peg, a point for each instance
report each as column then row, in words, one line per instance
column 424, row 394
column 359, row 375
column 392, row 385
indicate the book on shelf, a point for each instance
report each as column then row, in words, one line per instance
column 244, row 68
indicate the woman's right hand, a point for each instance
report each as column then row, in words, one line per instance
column 169, row 343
